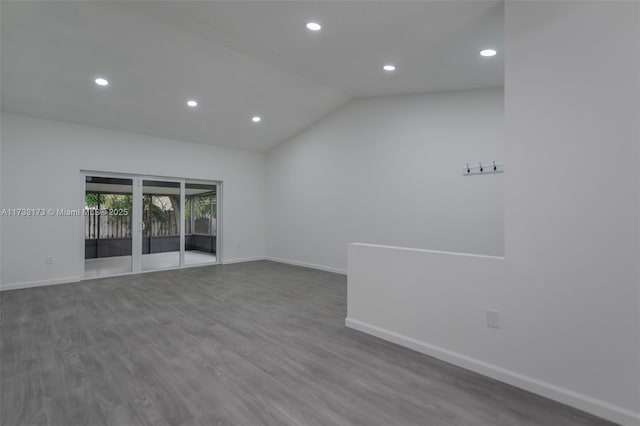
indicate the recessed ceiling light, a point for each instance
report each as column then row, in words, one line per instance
column 256, row 119
column 314, row 26
column 192, row 103
column 102, row 81
column 488, row 52
column 389, row 67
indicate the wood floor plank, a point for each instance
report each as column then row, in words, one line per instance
column 259, row 343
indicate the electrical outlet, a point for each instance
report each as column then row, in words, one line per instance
column 49, row 260
column 493, row 318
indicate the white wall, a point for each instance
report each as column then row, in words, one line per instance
column 438, row 298
column 389, row 170
column 41, row 163
column 568, row 289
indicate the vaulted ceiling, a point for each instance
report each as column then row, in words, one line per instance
column 238, row 59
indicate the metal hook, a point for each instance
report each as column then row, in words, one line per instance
column 494, row 166
column 468, row 169
column 481, row 169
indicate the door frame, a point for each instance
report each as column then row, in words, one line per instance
column 137, row 222
column 218, row 184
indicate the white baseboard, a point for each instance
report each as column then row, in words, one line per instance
column 241, row 260
column 582, row 402
column 16, row 286
column 308, row 265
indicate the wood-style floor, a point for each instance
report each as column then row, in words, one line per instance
column 258, row 343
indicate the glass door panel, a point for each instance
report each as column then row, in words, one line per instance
column 161, row 217
column 201, row 223
column 108, row 226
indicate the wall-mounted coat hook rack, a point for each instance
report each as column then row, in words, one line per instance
column 483, row 170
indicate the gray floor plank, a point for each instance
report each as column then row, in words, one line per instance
column 258, row 343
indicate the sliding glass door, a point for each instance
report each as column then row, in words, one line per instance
column 108, row 225
column 161, row 217
column 201, row 223
column 135, row 224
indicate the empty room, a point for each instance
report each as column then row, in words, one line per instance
column 362, row 212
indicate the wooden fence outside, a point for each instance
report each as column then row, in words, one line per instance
column 112, row 226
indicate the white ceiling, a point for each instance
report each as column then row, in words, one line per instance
column 238, row 59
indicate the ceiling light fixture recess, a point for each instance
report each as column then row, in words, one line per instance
column 389, row 67
column 314, row 26
column 488, row 52
column 256, row 119
column 192, row 103
column 101, row 81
